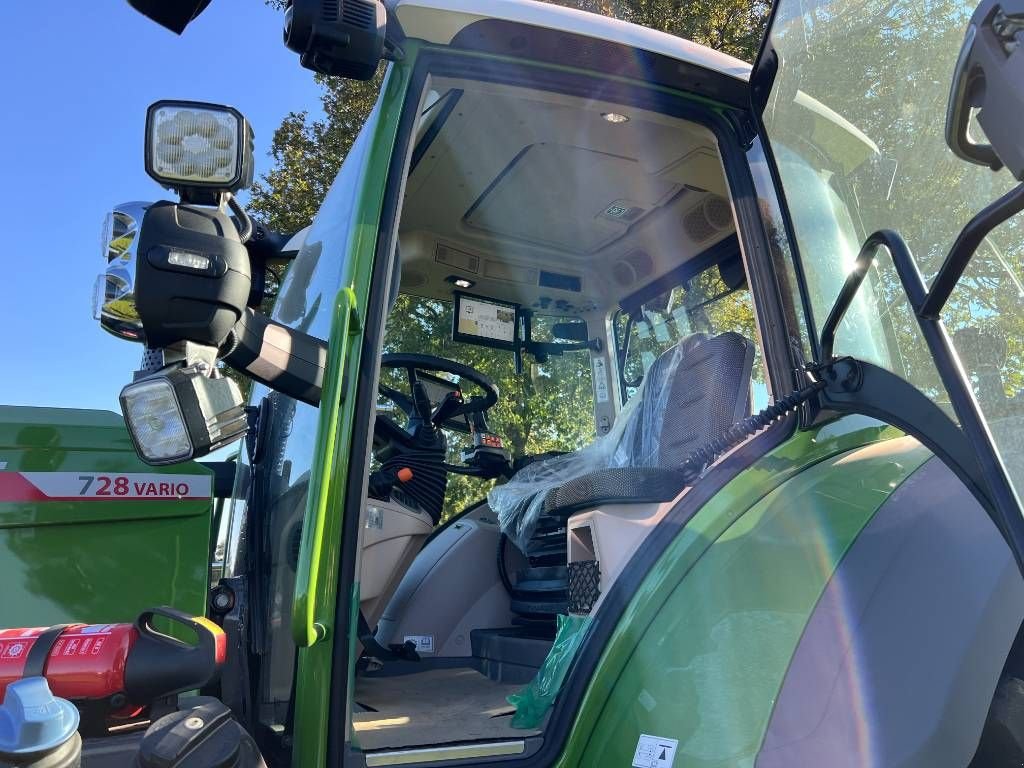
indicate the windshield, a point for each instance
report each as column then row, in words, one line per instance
column 549, row 406
column 715, row 300
column 856, row 119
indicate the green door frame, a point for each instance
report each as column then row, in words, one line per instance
column 315, row 624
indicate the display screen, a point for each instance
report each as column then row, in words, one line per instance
column 489, row 322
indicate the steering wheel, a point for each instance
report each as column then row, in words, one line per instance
column 417, row 407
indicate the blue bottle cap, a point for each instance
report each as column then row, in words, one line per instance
column 32, row 719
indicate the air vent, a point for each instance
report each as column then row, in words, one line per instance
column 500, row 270
column 709, row 218
column 458, row 259
column 329, row 10
column 635, row 266
column 561, row 282
column 359, row 14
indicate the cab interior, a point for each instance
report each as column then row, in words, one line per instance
column 503, row 496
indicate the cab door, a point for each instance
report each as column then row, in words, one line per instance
column 294, row 516
column 851, row 100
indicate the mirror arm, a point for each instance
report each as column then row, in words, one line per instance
column 883, row 237
column 973, row 426
column 967, row 242
column 286, row 360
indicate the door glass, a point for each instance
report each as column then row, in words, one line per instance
column 278, row 487
column 856, row 119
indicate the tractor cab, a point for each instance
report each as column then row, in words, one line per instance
column 622, row 404
column 566, row 313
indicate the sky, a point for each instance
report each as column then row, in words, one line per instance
column 73, row 95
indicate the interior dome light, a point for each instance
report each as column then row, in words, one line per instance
column 459, row 282
column 615, row 117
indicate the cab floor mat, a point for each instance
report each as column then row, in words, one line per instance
column 439, row 706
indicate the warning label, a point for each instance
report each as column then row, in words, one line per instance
column 600, row 380
column 654, row 752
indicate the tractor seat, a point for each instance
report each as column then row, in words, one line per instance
column 692, row 393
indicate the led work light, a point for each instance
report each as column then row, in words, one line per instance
column 196, row 148
column 181, row 413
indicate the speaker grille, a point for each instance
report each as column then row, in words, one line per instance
column 633, row 267
column 329, row 10
column 455, row 258
column 359, row 14
column 711, row 216
column 718, row 212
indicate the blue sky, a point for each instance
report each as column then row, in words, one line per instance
column 75, row 86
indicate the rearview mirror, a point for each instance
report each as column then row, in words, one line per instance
column 174, row 15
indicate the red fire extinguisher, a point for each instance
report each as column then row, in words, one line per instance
column 114, row 670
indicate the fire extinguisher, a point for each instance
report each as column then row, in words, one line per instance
column 114, row 670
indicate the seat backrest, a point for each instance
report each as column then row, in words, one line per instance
column 692, row 393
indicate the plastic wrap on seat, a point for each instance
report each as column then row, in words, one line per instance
column 692, row 393
column 635, row 440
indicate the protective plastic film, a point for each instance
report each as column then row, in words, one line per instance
column 533, row 701
column 633, row 441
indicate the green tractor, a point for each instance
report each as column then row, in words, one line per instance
column 623, row 405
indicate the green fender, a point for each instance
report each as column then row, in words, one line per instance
column 702, row 650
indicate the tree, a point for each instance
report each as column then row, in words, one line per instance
column 887, row 67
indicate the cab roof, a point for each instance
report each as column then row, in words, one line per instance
column 439, row 21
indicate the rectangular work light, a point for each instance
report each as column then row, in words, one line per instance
column 195, row 146
column 181, row 413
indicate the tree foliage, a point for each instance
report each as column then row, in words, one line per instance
column 887, row 68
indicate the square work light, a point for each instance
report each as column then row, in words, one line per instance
column 181, row 413
column 194, row 146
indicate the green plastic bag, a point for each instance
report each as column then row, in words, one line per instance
column 533, row 701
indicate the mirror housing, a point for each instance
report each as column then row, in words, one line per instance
column 174, row 15
column 988, row 78
column 343, row 38
column 174, row 273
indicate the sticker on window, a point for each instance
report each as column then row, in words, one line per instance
column 654, row 752
column 600, row 380
column 682, row 319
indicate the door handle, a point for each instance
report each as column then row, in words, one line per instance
column 314, row 587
